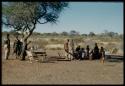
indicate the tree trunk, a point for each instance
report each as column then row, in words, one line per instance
column 24, row 50
column 25, row 41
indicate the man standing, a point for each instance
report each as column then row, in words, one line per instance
column 7, row 47
column 66, row 48
column 71, row 49
column 102, row 55
column 87, row 52
column 96, row 51
column 16, row 46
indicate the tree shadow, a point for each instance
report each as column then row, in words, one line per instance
column 46, row 61
column 115, row 58
column 57, row 58
column 53, row 59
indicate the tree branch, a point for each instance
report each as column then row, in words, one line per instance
column 31, row 31
column 7, row 24
column 42, row 22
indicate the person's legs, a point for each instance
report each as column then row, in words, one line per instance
column 80, row 55
column 76, row 55
column 73, row 55
column 16, row 52
column 5, row 51
column 70, row 55
column 66, row 54
column 8, row 52
column 23, row 53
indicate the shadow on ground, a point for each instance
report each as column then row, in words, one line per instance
column 115, row 58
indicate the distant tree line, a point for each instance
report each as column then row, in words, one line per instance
column 71, row 33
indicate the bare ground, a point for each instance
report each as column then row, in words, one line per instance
column 60, row 71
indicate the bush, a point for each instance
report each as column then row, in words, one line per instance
column 114, row 51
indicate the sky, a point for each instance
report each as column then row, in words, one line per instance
column 86, row 17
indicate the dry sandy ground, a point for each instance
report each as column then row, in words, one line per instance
column 15, row 71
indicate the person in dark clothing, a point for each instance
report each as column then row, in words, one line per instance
column 78, row 48
column 21, row 45
column 96, row 52
column 17, row 47
column 77, row 52
column 87, row 51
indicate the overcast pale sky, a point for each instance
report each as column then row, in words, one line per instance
column 86, row 17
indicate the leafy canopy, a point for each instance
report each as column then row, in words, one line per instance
column 25, row 15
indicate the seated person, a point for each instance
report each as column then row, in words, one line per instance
column 76, row 54
column 82, row 53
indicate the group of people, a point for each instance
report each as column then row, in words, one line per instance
column 19, row 49
column 82, row 53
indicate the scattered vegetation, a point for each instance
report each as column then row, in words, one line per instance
column 56, row 40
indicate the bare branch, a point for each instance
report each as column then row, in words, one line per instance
column 31, row 31
column 7, row 24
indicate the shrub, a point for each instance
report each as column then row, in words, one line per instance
column 114, row 51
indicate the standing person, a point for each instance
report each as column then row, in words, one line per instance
column 25, row 45
column 87, row 51
column 7, row 47
column 21, row 45
column 96, row 51
column 66, row 48
column 102, row 55
column 16, row 47
column 71, row 49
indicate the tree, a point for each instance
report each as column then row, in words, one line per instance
column 84, row 35
column 13, row 32
column 73, row 32
column 64, row 33
column 54, row 34
column 91, row 34
column 121, row 36
column 36, row 33
column 112, row 34
column 23, row 16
